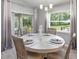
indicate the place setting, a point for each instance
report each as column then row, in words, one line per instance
column 31, row 35
column 55, row 41
column 29, row 42
column 46, row 35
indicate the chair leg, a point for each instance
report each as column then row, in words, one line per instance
column 18, row 57
column 68, row 57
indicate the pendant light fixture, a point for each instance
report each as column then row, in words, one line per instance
column 46, row 8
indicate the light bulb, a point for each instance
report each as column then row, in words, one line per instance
column 50, row 6
column 41, row 6
column 46, row 8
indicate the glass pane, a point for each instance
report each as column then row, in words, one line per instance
column 27, row 23
column 66, row 16
column 60, row 25
column 60, row 21
column 23, row 23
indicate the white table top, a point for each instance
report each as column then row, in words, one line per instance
column 42, row 43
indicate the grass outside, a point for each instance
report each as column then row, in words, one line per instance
column 63, row 27
column 28, row 29
column 58, row 27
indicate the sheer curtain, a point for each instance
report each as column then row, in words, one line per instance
column 6, row 26
column 47, row 20
column 74, row 22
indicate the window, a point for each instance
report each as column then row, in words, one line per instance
column 23, row 23
column 27, row 22
column 60, row 21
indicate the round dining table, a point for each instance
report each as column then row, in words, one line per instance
column 43, row 43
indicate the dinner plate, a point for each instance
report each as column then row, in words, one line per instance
column 31, row 34
column 46, row 35
column 27, row 42
column 56, row 41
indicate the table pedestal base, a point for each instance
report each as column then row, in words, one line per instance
column 44, row 55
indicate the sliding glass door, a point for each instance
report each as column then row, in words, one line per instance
column 22, row 23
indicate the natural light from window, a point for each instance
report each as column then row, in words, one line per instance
column 60, row 21
column 23, row 23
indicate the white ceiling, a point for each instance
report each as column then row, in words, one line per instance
column 36, row 3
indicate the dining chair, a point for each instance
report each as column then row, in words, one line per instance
column 63, row 53
column 21, row 52
column 51, row 31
